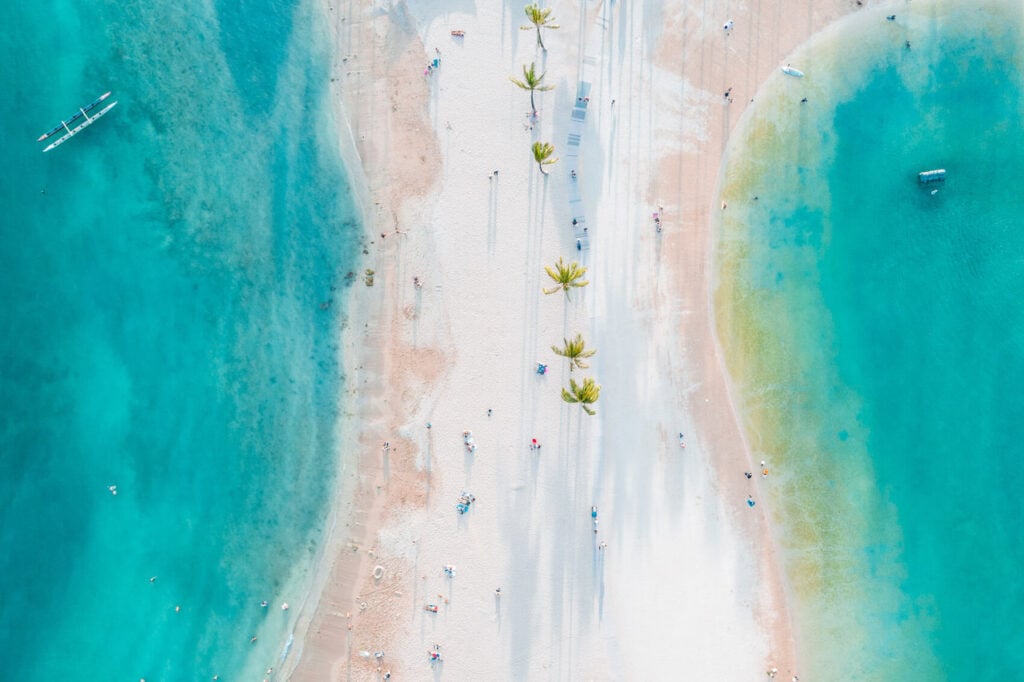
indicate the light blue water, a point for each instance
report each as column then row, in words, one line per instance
column 163, row 330
column 879, row 338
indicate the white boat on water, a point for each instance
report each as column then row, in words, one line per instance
column 82, row 112
column 937, row 175
column 790, row 71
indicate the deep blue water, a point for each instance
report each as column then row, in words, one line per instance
column 164, row 281
column 881, row 336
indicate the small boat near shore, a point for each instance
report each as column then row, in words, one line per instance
column 790, row 71
column 83, row 112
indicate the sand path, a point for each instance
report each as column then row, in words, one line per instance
column 689, row 580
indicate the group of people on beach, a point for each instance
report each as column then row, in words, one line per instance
column 434, row 63
column 465, row 499
column 656, row 216
column 749, row 476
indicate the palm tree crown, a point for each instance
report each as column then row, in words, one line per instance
column 539, row 18
column 586, row 394
column 566, row 276
column 542, row 152
column 531, row 81
column 575, row 351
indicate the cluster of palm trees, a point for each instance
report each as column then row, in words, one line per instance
column 531, row 81
column 567, row 277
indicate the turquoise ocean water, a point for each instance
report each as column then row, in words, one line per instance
column 163, row 277
column 875, row 332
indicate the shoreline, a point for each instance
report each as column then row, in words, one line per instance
column 327, row 628
column 387, row 495
column 830, row 536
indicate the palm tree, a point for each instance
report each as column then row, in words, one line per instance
column 566, row 276
column 531, row 81
column 539, row 19
column 574, row 350
column 542, row 152
column 585, row 394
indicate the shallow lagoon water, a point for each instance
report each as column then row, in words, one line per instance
column 876, row 339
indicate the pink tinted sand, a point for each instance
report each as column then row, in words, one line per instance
column 689, row 584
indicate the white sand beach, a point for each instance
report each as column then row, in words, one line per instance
column 688, row 585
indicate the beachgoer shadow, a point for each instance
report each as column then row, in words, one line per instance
column 417, row 306
column 460, row 520
column 492, row 215
column 427, row 451
column 658, row 234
